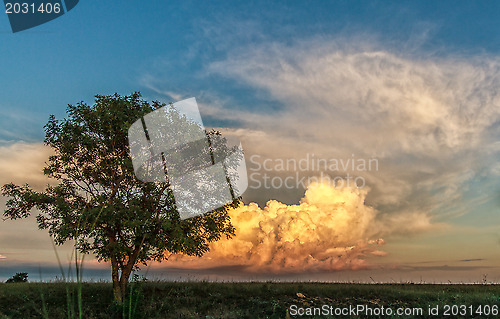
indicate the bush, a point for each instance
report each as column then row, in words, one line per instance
column 18, row 277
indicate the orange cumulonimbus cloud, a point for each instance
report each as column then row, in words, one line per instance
column 328, row 230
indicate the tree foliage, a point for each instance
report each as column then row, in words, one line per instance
column 18, row 277
column 100, row 204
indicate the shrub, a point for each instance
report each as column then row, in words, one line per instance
column 18, row 277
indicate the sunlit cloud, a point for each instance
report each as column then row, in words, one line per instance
column 331, row 229
column 431, row 120
column 22, row 163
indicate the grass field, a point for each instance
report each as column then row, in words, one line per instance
column 240, row 300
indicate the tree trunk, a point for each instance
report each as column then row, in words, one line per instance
column 120, row 280
column 127, row 270
column 120, row 275
column 124, row 282
column 118, row 293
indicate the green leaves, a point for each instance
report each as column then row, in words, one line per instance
column 98, row 201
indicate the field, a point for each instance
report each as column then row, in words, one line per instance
column 242, row 300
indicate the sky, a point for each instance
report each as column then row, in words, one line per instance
column 315, row 90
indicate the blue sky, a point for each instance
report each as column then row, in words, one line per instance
column 106, row 47
column 412, row 83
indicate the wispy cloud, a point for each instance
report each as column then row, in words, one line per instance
column 431, row 120
column 23, row 163
column 472, row 260
column 18, row 125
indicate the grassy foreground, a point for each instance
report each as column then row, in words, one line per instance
column 236, row 300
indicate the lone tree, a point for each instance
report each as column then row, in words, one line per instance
column 100, row 204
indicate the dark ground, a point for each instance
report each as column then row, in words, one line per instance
column 240, row 300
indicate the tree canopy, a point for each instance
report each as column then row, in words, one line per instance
column 100, row 204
